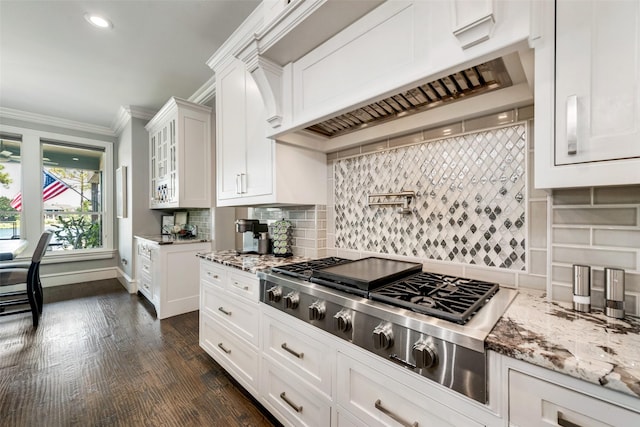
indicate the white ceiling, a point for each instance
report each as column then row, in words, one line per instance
column 52, row 62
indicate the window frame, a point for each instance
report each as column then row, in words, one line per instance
column 32, row 223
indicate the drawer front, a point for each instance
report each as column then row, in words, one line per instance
column 241, row 317
column 299, row 352
column 535, row 402
column 145, row 266
column 212, row 273
column 292, row 399
column 379, row 400
column 233, row 354
column 244, row 285
column 145, row 285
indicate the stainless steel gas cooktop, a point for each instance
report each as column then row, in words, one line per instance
column 432, row 324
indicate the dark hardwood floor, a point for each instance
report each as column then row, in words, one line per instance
column 100, row 357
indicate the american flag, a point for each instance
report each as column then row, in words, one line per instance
column 51, row 187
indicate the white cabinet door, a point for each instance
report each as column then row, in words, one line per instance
column 587, row 93
column 378, row 400
column 231, row 131
column 537, row 403
column 259, row 179
column 597, row 80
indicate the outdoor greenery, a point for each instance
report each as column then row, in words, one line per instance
column 77, row 232
column 7, row 213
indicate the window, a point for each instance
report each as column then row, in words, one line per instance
column 10, row 187
column 72, row 194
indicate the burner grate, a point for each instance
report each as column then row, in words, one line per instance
column 447, row 297
column 303, row 270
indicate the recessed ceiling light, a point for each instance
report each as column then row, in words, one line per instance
column 97, row 20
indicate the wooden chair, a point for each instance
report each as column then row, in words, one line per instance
column 27, row 274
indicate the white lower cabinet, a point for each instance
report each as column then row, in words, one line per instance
column 536, row 402
column 294, row 401
column 230, row 321
column 305, row 355
column 167, row 275
column 369, row 393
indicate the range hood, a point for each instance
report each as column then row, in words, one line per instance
column 476, row 80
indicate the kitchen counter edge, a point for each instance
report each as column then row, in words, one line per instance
column 248, row 262
column 587, row 346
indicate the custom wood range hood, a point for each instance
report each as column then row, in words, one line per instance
column 476, row 80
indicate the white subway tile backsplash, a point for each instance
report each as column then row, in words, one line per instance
column 618, row 238
column 572, row 196
column 631, row 280
column 538, row 262
column 532, row 282
column 405, row 139
column 595, row 216
column 629, row 194
column 596, row 257
column 491, row 275
column 572, row 236
column 538, row 225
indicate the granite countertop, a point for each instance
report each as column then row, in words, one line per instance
column 588, row 346
column 166, row 239
column 250, row 263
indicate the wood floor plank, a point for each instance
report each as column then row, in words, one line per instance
column 100, row 357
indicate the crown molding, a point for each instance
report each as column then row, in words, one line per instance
column 10, row 113
column 205, row 93
column 126, row 113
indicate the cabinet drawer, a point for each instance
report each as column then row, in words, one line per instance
column 299, row 352
column 535, row 402
column 212, row 273
column 379, row 400
column 243, row 318
column 145, row 286
column 295, row 401
column 244, row 285
column 233, row 354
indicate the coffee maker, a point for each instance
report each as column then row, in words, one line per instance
column 250, row 229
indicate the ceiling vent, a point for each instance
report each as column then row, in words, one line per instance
column 480, row 79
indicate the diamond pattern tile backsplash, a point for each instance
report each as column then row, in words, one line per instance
column 469, row 206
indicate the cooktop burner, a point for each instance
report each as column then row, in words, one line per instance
column 303, row 270
column 447, row 297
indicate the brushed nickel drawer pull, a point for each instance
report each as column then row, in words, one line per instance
column 295, row 353
column 228, row 313
column 562, row 421
column 223, row 348
column 290, row 403
column 394, row 416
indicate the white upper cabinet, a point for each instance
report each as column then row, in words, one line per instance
column 588, row 115
column 180, row 156
column 251, row 168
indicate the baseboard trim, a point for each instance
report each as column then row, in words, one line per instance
column 67, row 278
column 129, row 283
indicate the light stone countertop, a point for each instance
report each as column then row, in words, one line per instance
column 250, row 263
column 588, row 346
column 163, row 239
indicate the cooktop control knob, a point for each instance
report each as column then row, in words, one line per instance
column 342, row 321
column 291, row 300
column 424, row 354
column 382, row 337
column 274, row 294
column 317, row 311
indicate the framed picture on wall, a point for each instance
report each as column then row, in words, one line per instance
column 121, row 192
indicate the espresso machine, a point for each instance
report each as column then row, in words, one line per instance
column 251, row 230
